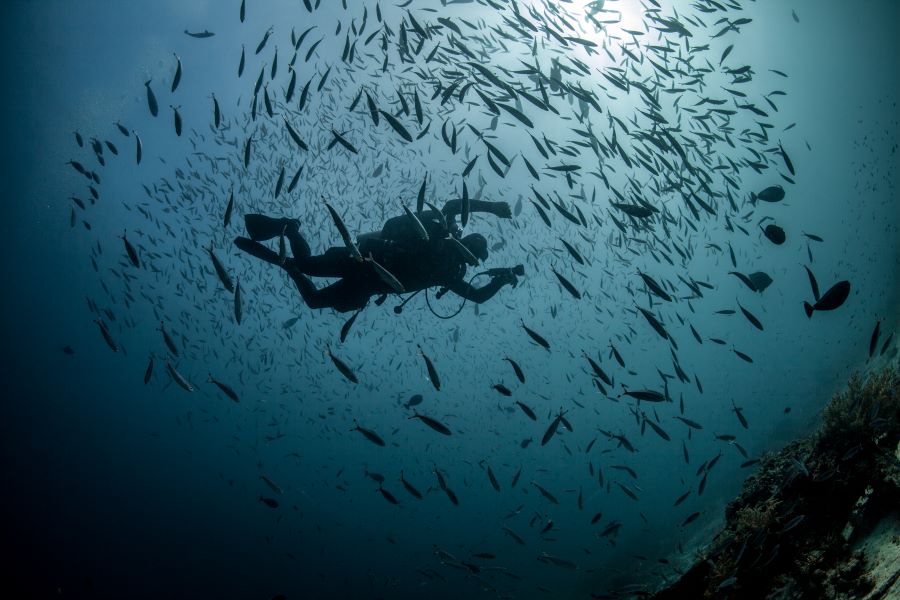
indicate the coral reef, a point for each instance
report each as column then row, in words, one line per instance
column 802, row 524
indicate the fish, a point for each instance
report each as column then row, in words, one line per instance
column 270, row 502
column 528, row 412
column 537, row 338
column 516, row 368
column 272, row 485
column 773, row 193
column 139, row 148
column 833, row 298
column 345, row 328
column 107, row 336
column 812, row 283
column 774, row 233
column 432, row 372
column 690, row 519
column 655, row 323
column 387, row 495
column 238, row 306
column 342, row 230
column 417, row 224
column 229, row 208
column 179, row 378
column 131, row 251
column 148, row 372
column 516, row 537
column 502, row 389
column 220, row 270
column 742, row 356
column 414, row 400
column 151, row 99
column 654, row 287
column 226, row 389
column 368, row 434
column 645, row 395
column 385, row 275
column 567, row 285
column 750, row 317
column 551, row 430
column 170, row 343
column 433, row 423
column 200, row 34
column 546, row 494
column 494, row 483
column 343, row 368
column 873, row 341
column 177, row 79
column 410, row 488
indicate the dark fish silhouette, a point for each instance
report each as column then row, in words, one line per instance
column 831, row 299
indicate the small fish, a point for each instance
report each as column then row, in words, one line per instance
column 148, row 372
column 229, row 208
column 433, row 423
column 345, row 328
column 537, row 338
column 151, row 99
column 432, row 372
column 750, row 317
column 551, row 430
column 518, row 370
column 270, row 502
column 388, row 496
column 494, row 483
column 545, row 493
column 567, row 285
column 342, row 230
column 409, row 487
column 368, row 433
column 743, row 356
column 691, row 518
column 179, row 378
column 177, row 78
column 168, row 339
column 528, row 412
column 220, row 270
column 131, row 251
column 106, row 335
column 502, row 389
column 343, row 368
column 272, row 485
column 226, row 389
column 238, row 306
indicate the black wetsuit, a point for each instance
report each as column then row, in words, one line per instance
column 415, row 262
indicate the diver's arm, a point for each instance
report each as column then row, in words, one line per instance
column 498, row 209
column 479, row 295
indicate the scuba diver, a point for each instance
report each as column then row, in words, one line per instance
column 412, row 252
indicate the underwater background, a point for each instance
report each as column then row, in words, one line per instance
column 690, row 110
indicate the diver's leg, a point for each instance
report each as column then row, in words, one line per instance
column 343, row 296
column 262, row 228
column 258, row 250
column 336, row 262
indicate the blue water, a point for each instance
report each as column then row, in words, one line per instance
column 114, row 488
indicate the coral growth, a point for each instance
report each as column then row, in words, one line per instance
column 790, row 533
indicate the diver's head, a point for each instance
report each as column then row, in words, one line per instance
column 477, row 245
